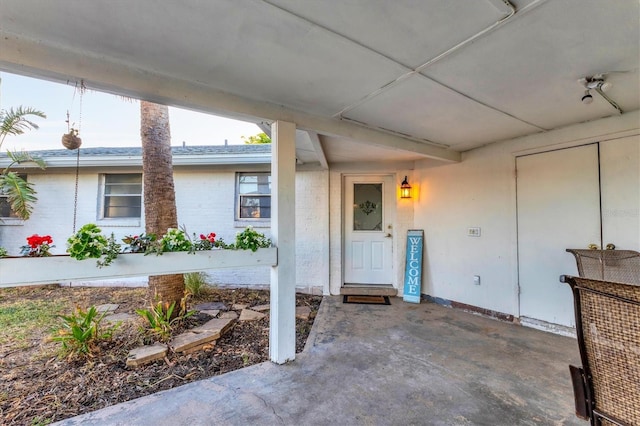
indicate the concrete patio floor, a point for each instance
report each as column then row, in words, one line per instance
column 382, row 365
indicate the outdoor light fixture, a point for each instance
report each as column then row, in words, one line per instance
column 405, row 189
column 598, row 84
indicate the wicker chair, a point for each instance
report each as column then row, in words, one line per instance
column 607, row 387
column 622, row 266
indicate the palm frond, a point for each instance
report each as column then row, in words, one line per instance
column 16, row 121
column 18, row 157
column 20, row 194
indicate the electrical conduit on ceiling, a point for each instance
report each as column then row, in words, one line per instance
column 498, row 4
column 503, row 5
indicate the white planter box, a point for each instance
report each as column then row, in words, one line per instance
column 19, row 271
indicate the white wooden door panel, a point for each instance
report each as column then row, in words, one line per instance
column 620, row 183
column 357, row 255
column 368, row 230
column 558, row 208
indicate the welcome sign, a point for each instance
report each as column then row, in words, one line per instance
column 413, row 267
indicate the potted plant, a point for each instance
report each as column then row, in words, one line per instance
column 89, row 242
column 37, row 246
column 71, row 140
column 179, row 255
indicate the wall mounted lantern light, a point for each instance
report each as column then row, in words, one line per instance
column 405, row 189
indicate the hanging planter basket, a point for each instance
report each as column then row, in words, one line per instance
column 71, row 140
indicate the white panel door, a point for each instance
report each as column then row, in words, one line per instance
column 620, row 177
column 558, row 202
column 368, row 226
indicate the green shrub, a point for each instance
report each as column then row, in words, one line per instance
column 160, row 319
column 81, row 331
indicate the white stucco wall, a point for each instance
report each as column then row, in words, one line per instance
column 53, row 213
column 480, row 192
column 205, row 199
column 202, row 199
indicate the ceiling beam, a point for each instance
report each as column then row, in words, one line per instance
column 60, row 63
column 317, row 147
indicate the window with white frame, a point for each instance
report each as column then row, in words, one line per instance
column 122, row 195
column 254, row 196
column 6, row 211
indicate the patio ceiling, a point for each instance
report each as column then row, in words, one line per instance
column 410, row 78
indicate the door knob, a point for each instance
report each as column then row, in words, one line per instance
column 388, row 236
column 593, row 247
column 611, row 246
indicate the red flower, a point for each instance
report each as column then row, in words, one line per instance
column 37, row 245
column 211, row 237
column 36, row 240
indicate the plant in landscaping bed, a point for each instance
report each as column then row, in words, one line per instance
column 139, row 243
column 195, row 283
column 3, row 252
column 250, row 239
column 37, row 246
column 161, row 320
column 81, row 331
column 89, row 242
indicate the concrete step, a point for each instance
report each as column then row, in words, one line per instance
column 368, row 290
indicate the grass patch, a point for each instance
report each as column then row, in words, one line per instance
column 22, row 318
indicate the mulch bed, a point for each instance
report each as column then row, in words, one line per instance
column 39, row 387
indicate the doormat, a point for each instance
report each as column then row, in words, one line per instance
column 367, row 300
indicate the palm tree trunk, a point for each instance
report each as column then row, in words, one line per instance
column 159, row 192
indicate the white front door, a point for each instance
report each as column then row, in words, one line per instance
column 368, row 229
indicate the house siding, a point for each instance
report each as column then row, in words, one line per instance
column 205, row 199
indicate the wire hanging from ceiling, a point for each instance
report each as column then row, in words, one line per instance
column 71, row 141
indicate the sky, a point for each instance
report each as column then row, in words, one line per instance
column 107, row 120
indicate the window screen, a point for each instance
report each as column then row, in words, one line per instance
column 122, row 195
column 254, row 195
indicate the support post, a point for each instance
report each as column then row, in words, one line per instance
column 282, row 330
